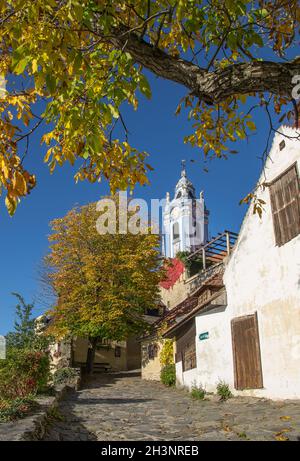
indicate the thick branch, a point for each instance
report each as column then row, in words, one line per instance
column 215, row 86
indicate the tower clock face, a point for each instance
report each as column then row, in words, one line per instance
column 175, row 213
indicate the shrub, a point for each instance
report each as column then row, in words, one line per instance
column 168, row 375
column 198, row 392
column 14, row 409
column 223, row 391
column 166, row 355
column 24, row 373
column 64, row 375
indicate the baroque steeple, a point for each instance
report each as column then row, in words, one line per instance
column 185, row 218
column 184, row 188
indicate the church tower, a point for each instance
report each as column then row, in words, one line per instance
column 185, row 219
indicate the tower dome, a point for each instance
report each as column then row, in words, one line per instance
column 185, row 218
column 184, row 188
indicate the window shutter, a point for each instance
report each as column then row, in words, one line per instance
column 285, row 204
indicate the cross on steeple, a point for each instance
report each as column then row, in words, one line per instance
column 183, row 172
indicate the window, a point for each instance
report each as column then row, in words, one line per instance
column 117, row 351
column 175, row 231
column 178, row 195
column 282, row 145
column 152, row 351
column 285, row 204
column 153, row 312
column 189, row 355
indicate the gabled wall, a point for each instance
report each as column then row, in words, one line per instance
column 264, row 278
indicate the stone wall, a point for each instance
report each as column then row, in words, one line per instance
column 33, row 427
column 176, row 293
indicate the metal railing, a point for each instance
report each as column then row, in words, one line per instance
column 212, row 256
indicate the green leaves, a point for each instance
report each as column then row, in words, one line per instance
column 81, row 63
column 21, row 66
column 144, row 86
column 104, row 281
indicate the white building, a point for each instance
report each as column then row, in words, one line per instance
column 185, row 219
column 252, row 341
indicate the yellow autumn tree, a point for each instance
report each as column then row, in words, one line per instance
column 81, row 60
column 103, row 283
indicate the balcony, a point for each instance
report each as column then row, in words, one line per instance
column 211, row 258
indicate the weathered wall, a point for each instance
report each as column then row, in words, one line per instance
column 186, row 378
column 175, row 294
column 103, row 355
column 133, row 354
column 151, row 367
column 264, row 278
column 60, row 354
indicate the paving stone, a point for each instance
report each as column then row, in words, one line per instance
column 124, row 407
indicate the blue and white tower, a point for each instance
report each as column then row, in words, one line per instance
column 185, row 219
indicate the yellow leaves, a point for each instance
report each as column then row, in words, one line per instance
column 250, row 124
column 14, row 178
column 34, row 65
column 19, row 184
column 11, row 204
column 285, row 418
column 47, row 137
column 4, row 169
column 257, row 203
column 281, row 436
column 103, row 281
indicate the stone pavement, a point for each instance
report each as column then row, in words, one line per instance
column 124, row 407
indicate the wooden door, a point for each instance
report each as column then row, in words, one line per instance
column 186, row 346
column 246, row 353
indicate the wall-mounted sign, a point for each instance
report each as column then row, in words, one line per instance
column 204, row 335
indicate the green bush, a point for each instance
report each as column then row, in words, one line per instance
column 166, row 355
column 168, row 375
column 24, row 373
column 17, row 408
column 223, row 391
column 198, row 392
column 64, row 375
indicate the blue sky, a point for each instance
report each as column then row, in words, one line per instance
column 153, row 128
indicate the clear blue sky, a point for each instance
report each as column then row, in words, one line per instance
column 153, row 128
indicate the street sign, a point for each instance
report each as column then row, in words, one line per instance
column 204, row 335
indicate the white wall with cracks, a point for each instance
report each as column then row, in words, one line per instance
column 259, row 277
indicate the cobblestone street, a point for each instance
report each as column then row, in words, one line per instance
column 124, row 407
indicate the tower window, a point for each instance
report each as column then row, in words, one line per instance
column 175, row 231
column 178, row 195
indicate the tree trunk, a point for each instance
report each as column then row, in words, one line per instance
column 91, row 355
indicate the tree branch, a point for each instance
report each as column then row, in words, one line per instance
column 211, row 86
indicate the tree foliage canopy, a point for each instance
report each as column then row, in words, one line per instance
column 103, row 283
column 85, row 58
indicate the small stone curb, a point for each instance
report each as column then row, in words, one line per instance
column 34, row 427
